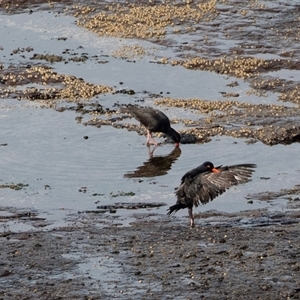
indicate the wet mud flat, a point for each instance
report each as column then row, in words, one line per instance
column 248, row 255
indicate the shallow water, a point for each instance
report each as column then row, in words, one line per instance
column 67, row 168
column 66, row 173
column 41, row 31
column 47, row 150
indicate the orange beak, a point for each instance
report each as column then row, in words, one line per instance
column 215, row 170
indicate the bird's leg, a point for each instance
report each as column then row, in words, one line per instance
column 150, row 139
column 151, row 152
column 190, row 209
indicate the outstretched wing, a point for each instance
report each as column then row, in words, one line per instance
column 206, row 186
column 230, row 175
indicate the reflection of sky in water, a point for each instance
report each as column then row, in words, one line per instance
column 40, row 31
column 47, row 148
column 286, row 74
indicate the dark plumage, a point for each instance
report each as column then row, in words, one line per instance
column 204, row 183
column 154, row 120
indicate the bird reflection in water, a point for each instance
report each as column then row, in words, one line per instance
column 155, row 165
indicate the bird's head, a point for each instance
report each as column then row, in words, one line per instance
column 210, row 167
column 176, row 137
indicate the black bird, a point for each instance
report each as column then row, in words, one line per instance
column 154, row 120
column 204, row 183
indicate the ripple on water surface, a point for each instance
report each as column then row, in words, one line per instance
column 47, row 150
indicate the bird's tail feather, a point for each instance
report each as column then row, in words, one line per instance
column 175, row 208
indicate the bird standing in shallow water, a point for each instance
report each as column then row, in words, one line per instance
column 206, row 182
column 154, row 120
